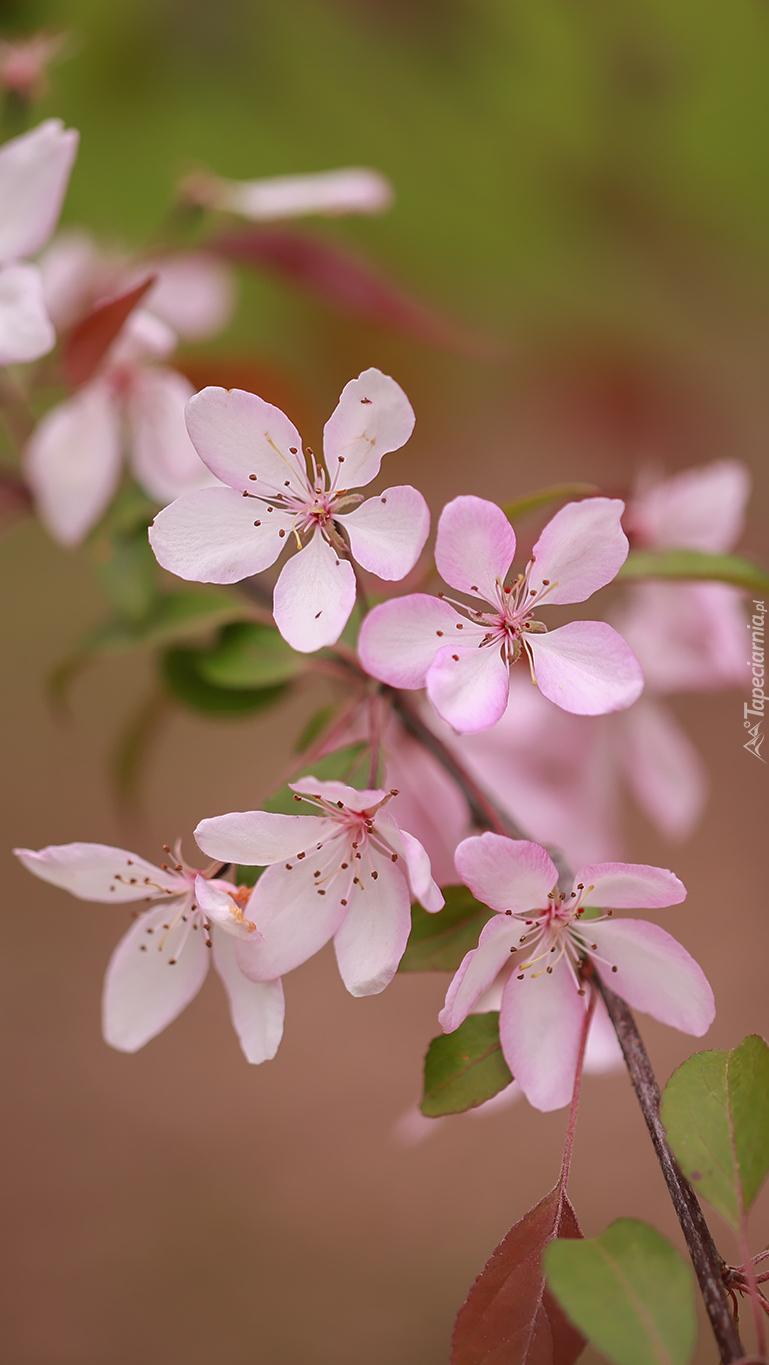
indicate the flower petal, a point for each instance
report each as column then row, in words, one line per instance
column 586, row 668
column 165, row 461
column 475, row 546
column 540, row 1028
column 400, row 638
column 354, row 189
column 147, row 985
column 654, row 973
column 582, row 548
column 699, row 509
column 373, row 416
column 314, row 596
column 689, row 637
column 388, row 533
column 479, row 970
column 257, row 1008
column 630, row 886
column 469, row 687
column 257, row 837
column 215, row 899
column 211, row 537
column 662, row 768
column 237, row 434
column 296, row 921
column 34, row 172
column 98, row 872
column 194, row 293
column 506, row 874
column 421, row 884
column 334, row 791
column 603, row 1052
column 26, row 331
column 72, row 463
column 372, row 939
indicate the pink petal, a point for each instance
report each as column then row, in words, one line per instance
column 74, row 274
column 34, row 172
column 194, row 293
column 373, row 416
column 72, row 463
column 540, row 1028
column 257, row 837
column 475, row 546
column 603, row 1052
column 147, row 985
column 421, row 884
column 654, row 973
column 582, row 548
column 210, row 536
column 662, row 768
column 586, row 668
column 26, row 331
column 387, row 533
column 314, row 596
column 688, row 636
column 469, row 687
column 700, row 509
column 295, row 920
column 630, row 886
column 215, row 899
column 257, row 1008
column 352, row 190
column 506, row 874
column 98, row 872
column 333, row 792
column 479, row 970
column 237, row 434
column 164, row 460
column 372, row 939
column 428, row 803
column 400, row 638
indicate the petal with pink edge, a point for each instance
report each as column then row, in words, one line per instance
column 663, row 768
column 469, row 687
column 586, row 668
column 257, row 837
column 163, row 457
column 98, row 872
column 34, row 173
column 333, row 792
column 150, row 979
column 257, row 1008
column 238, row 434
column 582, row 548
column 373, row 416
column 479, row 970
column 194, row 293
column 215, row 899
column 700, row 509
column 314, row 597
column 630, row 886
column 506, row 874
column 540, row 1028
column 474, row 547
column 296, row 921
column 603, row 1052
column 654, row 973
column 423, row 888
column 400, row 638
column 26, row 331
column 72, row 463
column 372, row 939
column 217, row 536
column 387, row 533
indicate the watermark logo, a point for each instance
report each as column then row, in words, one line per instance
column 753, row 711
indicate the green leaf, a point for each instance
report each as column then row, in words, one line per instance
column 248, row 876
column 348, row 764
column 175, row 616
column 180, row 672
column 630, row 1293
column 557, row 492
column 251, row 655
column 695, row 564
column 127, row 570
column 437, row 943
column 314, row 727
column 715, row 1109
column 465, row 1068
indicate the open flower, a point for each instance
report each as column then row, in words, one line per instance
column 348, row 873
column 34, row 173
column 222, row 535
column 463, row 654
column 159, row 966
column 541, row 937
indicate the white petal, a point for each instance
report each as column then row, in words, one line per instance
column 314, row 596
column 164, row 460
column 97, row 872
column 474, row 547
column 469, row 687
column 506, row 874
column 540, row 1028
column 211, row 537
column 215, row 899
column 26, row 331
column 34, row 172
column 586, row 667
column 582, row 548
column 237, row 434
column 399, row 639
column 372, row 939
column 387, row 533
column 662, row 767
column 423, row 887
column 295, row 919
column 147, row 985
column 373, row 416
column 354, row 189
column 602, row 1052
column 72, row 463
column 257, row 837
column 629, row 886
column 333, row 791
column 257, row 1008
column 479, row 970
column 700, row 509
column 654, row 973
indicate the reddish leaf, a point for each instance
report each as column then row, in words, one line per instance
column 89, row 340
column 509, row 1318
column 343, row 281
column 243, row 372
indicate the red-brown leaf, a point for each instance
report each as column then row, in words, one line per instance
column 509, row 1318
column 89, row 340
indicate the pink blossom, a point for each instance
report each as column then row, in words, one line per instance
column 34, row 173
column 222, row 535
column 348, row 873
column 540, row 936
column 23, row 63
column 584, row 667
column 355, row 189
column 159, row 966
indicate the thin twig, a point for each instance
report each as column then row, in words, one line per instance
column 568, row 1145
